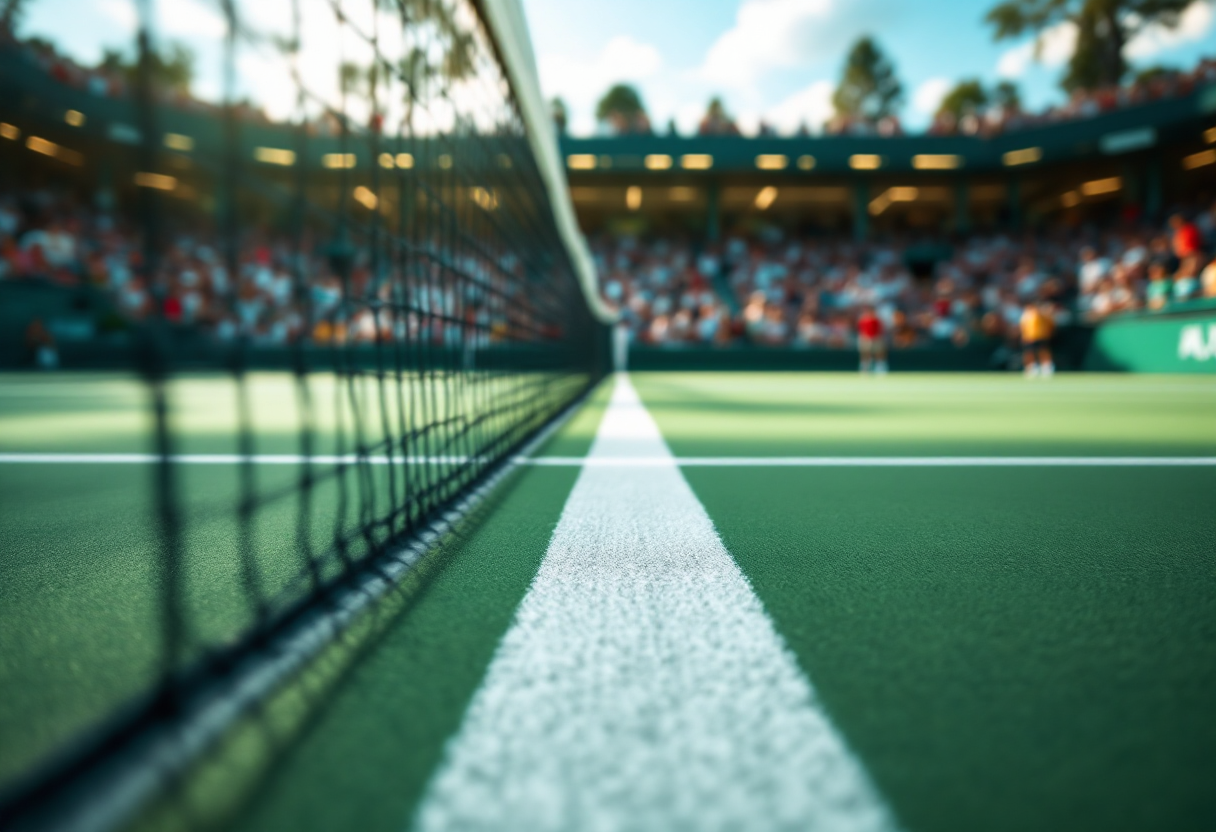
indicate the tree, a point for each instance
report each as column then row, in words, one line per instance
column 716, row 121
column 1007, row 96
column 868, row 87
column 460, row 60
column 1104, row 28
column 351, row 78
column 1153, row 73
column 11, row 12
column 1091, row 55
column 561, row 118
column 621, row 108
column 968, row 96
column 172, row 68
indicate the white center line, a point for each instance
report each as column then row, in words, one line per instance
column 642, row 686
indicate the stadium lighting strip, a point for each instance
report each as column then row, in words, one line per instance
column 766, row 198
column 1102, row 186
column 275, row 156
column 937, row 161
column 176, row 141
column 55, row 151
column 366, row 197
column 1199, row 160
column 902, row 194
column 338, row 161
column 1024, row 156
column 156, row 181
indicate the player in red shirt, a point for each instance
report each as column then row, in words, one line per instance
column 1186, row 242
column 871, row 342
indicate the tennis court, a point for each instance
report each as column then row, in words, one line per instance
column 921, row 602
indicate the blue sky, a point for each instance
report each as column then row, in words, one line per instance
column 775, row 60
column 778, row 59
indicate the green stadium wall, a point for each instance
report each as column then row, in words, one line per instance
column 750, row 359
column 1180, row 340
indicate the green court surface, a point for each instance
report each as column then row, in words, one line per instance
column 1003, row 648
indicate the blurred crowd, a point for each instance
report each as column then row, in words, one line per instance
column 808, row 292
column 114, row 76
column 1081, row 104
column 50, row 236
column 771, row 289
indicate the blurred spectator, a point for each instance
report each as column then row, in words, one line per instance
column 40, row 345
column 1157, row 295
column 1186, row 241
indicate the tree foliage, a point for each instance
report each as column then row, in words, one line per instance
column 1104, row 28
column 717, row 121
column 171, row 68
column 622, row 109
column 11, row 12
column 868, row 87
column 968, row 96
column 561, row 118
column 1007, row 96
column 1153, row 73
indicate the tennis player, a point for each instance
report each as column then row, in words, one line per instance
column 871, row 342
column 1037, row 327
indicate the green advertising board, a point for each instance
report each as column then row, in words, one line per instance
column 1180, row 340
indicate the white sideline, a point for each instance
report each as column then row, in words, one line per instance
column 872, row 461
column 642, row 686
column 648, row 461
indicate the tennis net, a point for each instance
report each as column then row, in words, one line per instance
column 334, row 241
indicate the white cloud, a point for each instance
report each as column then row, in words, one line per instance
column 688, row 116
column 1055, row 46
column 177, row 18
column 1195, row 24
column 928, row 96
column 811, row 106
column 189, row 18
column 766, row 35
column 780, row 34
column 581, row 81
column 121, row 12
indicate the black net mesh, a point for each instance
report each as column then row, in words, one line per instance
column 322, row 231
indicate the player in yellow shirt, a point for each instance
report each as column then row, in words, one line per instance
column 1037, row 327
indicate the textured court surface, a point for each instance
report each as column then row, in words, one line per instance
column 933, row 648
